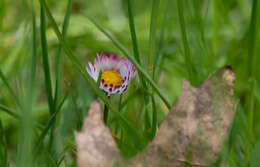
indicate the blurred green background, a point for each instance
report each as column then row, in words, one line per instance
column 210, row 35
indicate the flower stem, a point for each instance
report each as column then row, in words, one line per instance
column 105, row 114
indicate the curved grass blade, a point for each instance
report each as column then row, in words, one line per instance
column 9, row 111
column 14, row 114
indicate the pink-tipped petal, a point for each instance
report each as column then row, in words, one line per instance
column 113, row 57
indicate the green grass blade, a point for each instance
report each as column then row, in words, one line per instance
column 82, row 70
column 137, row 65
column 11, row 91
column 120, row 102
column 9, row 111
column 251, row 107
column 134, row 39
column 136, row 50
column 14, row 114
column 215, row 27
column 3, row 147
column 47, row 75
column 199, row 19
column 59, row 60
column 187, row 56
column 159, row 49
column 26, row 120
column 45, row 60
column 34, row 54
column 132, row 30
column 154, row 118
column 129, row 98
column 49, row 124
column 152, row 34
column 26, row 126
column 252, row 67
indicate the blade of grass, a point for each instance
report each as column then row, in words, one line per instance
column 130, row 57
column 59, row 65
column 132, row 30
column 215, row 27
column 26, row 126
column 14, row 114
column 45, row 60
column 134, row 40
column 3, row 147
column 49, row 124
column 136, row 52
column 34, row 53
column 11, row 91
column 59, row 60
column 47, row 74
column 61, row 159
column 160, row 47
column 199, row 20
column 9, row 111
column 123, row 104
column 152, row 34
column 154, row 118
column 187, row 56
column 252, row 67
column 120, row 102
column 26, row 136
column 251, row 108
column 79, row 67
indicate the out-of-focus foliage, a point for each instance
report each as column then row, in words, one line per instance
column 219, row 32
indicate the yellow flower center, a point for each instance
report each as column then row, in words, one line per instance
column 111, row 78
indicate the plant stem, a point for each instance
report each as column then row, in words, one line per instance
column 105, row 114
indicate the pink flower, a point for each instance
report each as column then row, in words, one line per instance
column 115, row 74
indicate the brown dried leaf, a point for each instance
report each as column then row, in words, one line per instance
column 96, row 147
column 200, row 119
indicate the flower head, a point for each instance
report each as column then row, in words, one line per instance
column 115, row 74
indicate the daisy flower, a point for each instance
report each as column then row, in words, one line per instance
column 115, row 74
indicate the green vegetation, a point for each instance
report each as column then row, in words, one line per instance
column 46, row 91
